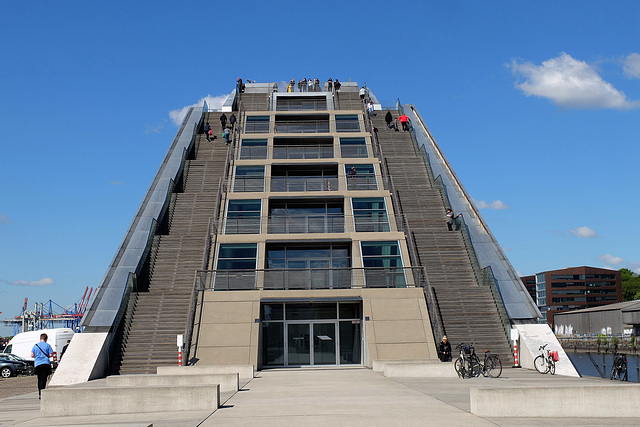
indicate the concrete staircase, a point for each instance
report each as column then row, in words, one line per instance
column 160, row 313
column 468, row 310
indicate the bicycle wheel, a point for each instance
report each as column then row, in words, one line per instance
column 459, row 365
column 474, row 366
column 614, row 372
column 552, row 367
column 493, row 368
column 540, row 364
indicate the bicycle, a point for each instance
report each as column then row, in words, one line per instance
column 492, row 366
column 468, row 364
column 619, row 367
column 546, row 361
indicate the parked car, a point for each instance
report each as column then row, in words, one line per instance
column 14, row 365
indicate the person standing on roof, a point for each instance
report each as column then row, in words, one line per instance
column 337, row 85
column 41, row 352
column 329, row 85
column 370, row 108
column 310, row 84
column 303, row 85
column 405, row 120
column 207, row 131
column 239, row 85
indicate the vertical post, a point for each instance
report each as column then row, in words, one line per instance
column 180, row 344
column 515, row 337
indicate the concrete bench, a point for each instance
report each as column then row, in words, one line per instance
column 427, row 368
column 79, row 400
column 228, row 382
column 606, row 401
column 244, row 371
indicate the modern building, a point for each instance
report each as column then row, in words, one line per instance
column 317, row 236
column 573, row 289
column 621, row 318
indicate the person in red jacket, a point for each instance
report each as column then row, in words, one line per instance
column 405, row 122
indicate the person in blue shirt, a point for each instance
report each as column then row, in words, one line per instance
column 41, row 352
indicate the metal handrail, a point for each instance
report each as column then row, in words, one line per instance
column 311, row 278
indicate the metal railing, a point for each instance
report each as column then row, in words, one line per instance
column 304, row 183
column 301, row 104
column 365, row 222
column 311, row 278
column 302, row 126
column 303, row 151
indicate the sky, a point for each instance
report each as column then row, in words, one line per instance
column 536, row 105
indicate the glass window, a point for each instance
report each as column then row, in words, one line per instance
column 273, row 343
column 240, row 261
column 347, row 123
column 249, row 178
column 273, row 311
column 257, row 124
column 306, row 216
column 253, row 149
column 311, row 311
column 243, row 217
column 383, row 264
column 361, row 177
column 370, row 214
column 353, row 147
column 237, row 256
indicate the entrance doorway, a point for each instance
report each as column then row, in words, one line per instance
column 311, row 334
column 311, row 343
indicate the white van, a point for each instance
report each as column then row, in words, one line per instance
column 21, row 344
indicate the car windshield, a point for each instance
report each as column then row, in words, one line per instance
column 11, row 357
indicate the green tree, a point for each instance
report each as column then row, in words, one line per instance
column 630, row 285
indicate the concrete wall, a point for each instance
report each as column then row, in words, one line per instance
column 532, row 337
column 227, row 329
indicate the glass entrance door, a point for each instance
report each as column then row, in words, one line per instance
column 298, row 341
column 324, row 344
column 311, row 344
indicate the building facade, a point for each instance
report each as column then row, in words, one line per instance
column 313, row 235
column 573, row 289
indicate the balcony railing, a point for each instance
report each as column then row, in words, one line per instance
column 302, row 151
column 302, row 126
column 304, row 183
column 362, row 181
column 365, row 222
column 311, row 278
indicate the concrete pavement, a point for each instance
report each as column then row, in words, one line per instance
column 337, row 396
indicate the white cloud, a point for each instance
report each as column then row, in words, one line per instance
column 631, row 66
column 4, row 219
column 583, row 232
column 42, row 282
column 496, row 204
column 569, row 83
column 213, row 102
column 154, row 128
column 609, row 259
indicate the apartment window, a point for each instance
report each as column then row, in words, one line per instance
column 383, row 264
column 301, row 103
column 306, row 216
column 308, row 266
column 253, row 149
column 249, row 178
column 302, row 148
column 361, row 177
column 243, row 217
column 236, row 267
column 257, row 124
column 347, row 123
column 353, row 148
column 370, row 214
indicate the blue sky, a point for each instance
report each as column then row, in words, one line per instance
column 535, row 104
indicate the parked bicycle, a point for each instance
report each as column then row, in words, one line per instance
column 468, row 365
column 546, row 361
column 619, row 367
